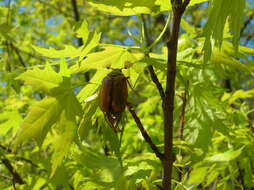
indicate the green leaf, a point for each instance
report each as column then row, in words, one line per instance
column 219, row 57
column 226, row 156
column 5, row 30
column 239, row 94
column 93, row 86
column 125, row 8
column 9, row 120
column 46, row 112
column 67, row 127
column 42, row 79
column 83, row 32
column 205, row 134
column 236, row 20
column 188, row 27
column 40, row 118
column 89, row 110
column 68, row 51
column 197, row 175
column 62, row 142
column 90, row 40
column 219, row 12
column 108, row 168
column 111, row 56
column 157, row 63
column 110, row 137
column 246, row 165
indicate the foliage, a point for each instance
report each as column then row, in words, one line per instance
column 45, row 97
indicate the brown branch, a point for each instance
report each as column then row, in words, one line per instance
column 168, row 104
column 246, row 23
column 150, row 67
column 16, row 177
column 80, row 40
column 19, row 56
column 182, row 122
column 144, row 132
column 7, row 149
column 156, row 81
column 182, row 115
column 77, row 18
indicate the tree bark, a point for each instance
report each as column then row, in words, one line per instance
column 168, row 104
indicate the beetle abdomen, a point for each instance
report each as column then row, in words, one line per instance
column 119, row 94
column 105, row 94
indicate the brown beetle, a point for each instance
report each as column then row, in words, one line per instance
column 113, row 96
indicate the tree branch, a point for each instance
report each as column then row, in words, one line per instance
column 144, row 132
column 182, row 115
column 19, row 56
column 150, row 67
column 77, row 18
column 168, row 104
column 7, row 149
column 16, row 177
column 246, row 23
column 80, row 41
column 156, row 81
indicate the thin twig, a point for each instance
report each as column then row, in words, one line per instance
column 182, row 115
column 24, row 52
column 16, row 177
column 246, row 23
column 7, row 149
column 77, row 18
column 150, row 67
column 80, row 40
column 156, row 81
column 19, row 56
column 144, row 132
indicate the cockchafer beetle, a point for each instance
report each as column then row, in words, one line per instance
column 113, row 97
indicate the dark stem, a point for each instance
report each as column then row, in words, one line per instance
column 150, row 67
column 182, row 115
column 144, row 132
column 80, row 41
column 168, row 103
column 182, row 123
column 227, row 85
column 156, row 81
column 16, row 177
column 19, row 56
column 7, row 149
column 246, row 23
column 77, row 18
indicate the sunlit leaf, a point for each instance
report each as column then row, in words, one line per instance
column 217, row 17
column 41, row 79
column 40, row 118
column 226, row 156
column 110, row 57
column 125, row 8
column 64, row 139
column 9, row 120
column 197, row 175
